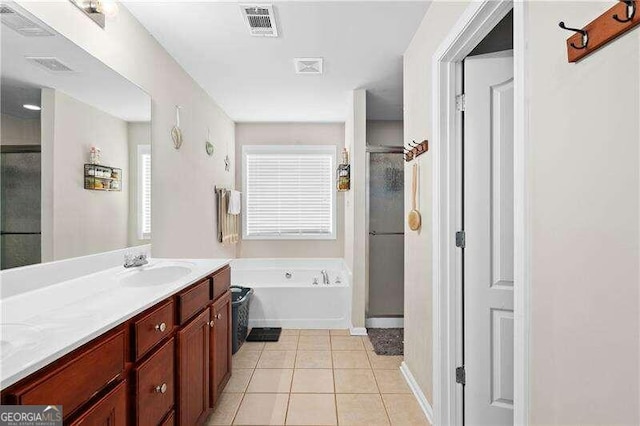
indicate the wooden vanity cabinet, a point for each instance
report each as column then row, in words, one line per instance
column 220, row 342
column 164, row 367
column 193, row 370
column 73, row 380
column 110, row 410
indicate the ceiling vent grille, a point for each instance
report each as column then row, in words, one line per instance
column 308, row 65
column 21, row 24
column 260, row 19
column 50, row 64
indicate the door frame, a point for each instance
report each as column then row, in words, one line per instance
column 477, row 21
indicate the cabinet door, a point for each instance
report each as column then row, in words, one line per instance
column 110, row 410
column 220, row 345
column 193, row 371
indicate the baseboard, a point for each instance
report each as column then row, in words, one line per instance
column 358, row 331
column 385, row 322
column 417, row 392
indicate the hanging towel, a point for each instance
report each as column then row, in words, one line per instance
column 234, row 202
column 227, row 224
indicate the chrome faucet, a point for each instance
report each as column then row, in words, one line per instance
column 325, row 277
column 132, row 261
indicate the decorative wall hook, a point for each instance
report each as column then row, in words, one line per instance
column 631, row 12
column 176, row 132
column 611, row 24
column 585, row 36
column 416, row 149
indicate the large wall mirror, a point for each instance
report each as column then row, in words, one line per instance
column 75, row 148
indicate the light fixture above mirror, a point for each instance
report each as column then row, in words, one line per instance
column 97, row 10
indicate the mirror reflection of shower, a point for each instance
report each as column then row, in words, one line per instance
column 20, row 176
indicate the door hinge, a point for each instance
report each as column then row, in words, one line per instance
column 461, row 239
column 461, row 103
column 461, row 375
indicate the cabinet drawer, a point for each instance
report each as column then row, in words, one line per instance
column 79, row 378
column 221, row 282
column 110, row 410
column 155, row 386
column 152, row 328
column 194, row 300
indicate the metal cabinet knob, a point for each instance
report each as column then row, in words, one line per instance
column 218, row 316
column 161, row 388
column 212, row 323
column 161, row 327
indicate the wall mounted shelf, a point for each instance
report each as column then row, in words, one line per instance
column 102, row 178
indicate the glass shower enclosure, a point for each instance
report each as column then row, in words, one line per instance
column 386, row 231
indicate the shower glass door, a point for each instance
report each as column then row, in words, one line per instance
column 386, row 233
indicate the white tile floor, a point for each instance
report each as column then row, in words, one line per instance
column 316, row 377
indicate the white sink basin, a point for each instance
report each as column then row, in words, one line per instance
column 155, row 275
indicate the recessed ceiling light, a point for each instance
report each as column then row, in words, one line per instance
column 31, row 107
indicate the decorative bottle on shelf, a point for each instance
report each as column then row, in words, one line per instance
column 94, row 155
column 343, row 173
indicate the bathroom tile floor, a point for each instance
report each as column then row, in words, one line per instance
column 316, row 377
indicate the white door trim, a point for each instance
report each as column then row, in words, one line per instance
column 473, row 26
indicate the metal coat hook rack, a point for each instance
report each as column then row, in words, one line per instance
column 619, row 19
column 415, row 149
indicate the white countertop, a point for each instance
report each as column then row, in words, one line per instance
column 40, row 326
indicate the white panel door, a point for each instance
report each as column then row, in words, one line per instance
column 488, row 253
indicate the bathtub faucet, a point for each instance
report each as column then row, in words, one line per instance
column 325, row 277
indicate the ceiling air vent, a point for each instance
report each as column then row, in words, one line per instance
column 21, row 24
column 50, row 64
column 260, row 19
column 308, row 65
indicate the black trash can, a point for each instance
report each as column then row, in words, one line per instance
column 240, row 300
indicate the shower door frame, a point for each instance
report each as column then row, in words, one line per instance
column 375, row 149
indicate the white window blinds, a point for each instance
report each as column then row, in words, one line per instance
column 288, row 192
column 144, row 192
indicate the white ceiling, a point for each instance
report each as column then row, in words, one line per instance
column 253, row 78
column 92, row 82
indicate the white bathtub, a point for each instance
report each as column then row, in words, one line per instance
column 286, row 296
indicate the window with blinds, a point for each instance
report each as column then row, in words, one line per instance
column 288, row 192
column 144, row 192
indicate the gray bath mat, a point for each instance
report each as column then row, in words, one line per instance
column 387, row 341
